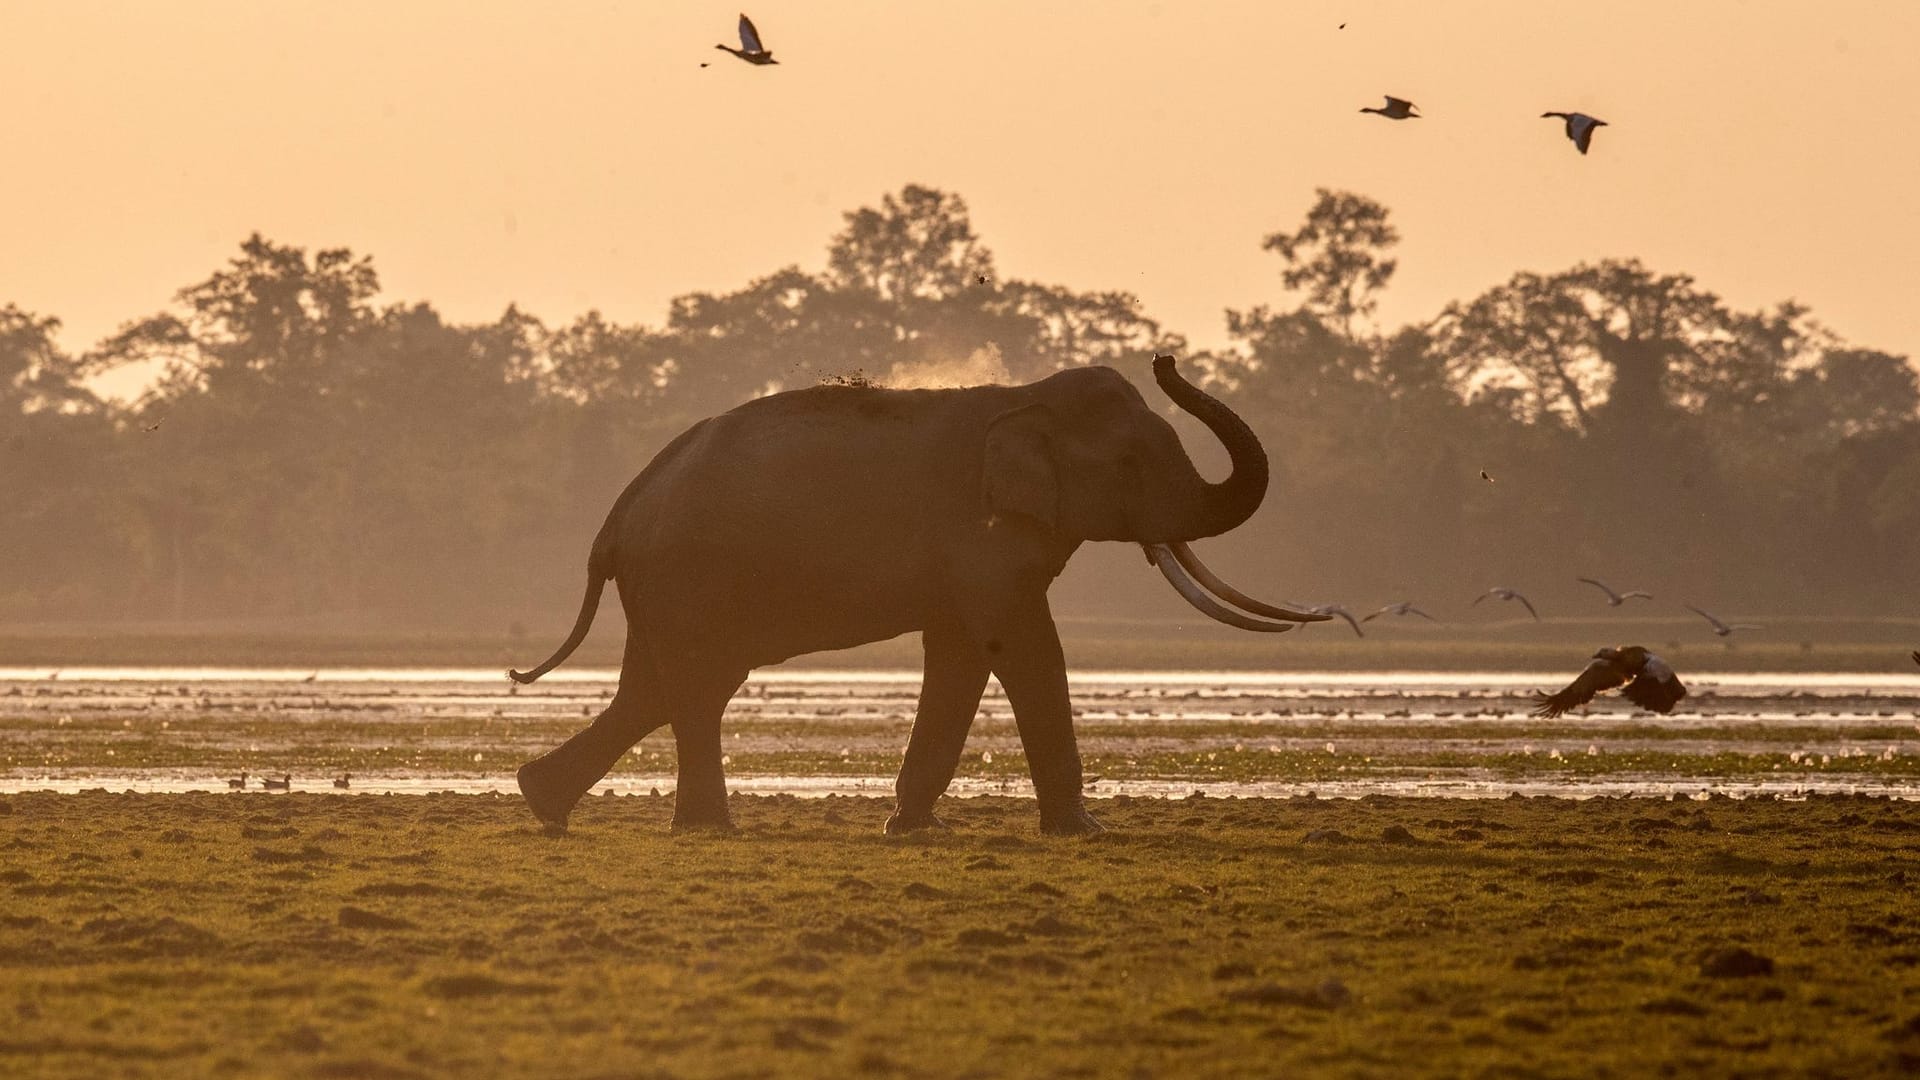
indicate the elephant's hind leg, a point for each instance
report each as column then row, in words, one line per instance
column 950, row 688
column 554, row 782
column 697, row 702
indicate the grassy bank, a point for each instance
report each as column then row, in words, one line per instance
column 443, row 936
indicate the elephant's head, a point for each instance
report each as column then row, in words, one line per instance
column 1088, row 459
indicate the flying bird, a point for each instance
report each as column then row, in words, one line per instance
column 1404, row 607
column 155, row 426
column 1335, row 609
column 1654, row 685
column 1396, row 109
column 1507, row 594
column 1916, row 656
column 1615, row 599
column 1579, row 127
column 750, row 48
column 1484, row 476
column 1720, row 628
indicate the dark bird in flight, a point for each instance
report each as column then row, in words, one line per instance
column 1615, row 599
column 1484, row 476
column 1720, row 628
column 285, row 783
column 1916, row 656
column 155, row 426
column 1396, row 109
column 1502, row 593
column 1404, row 607
column 1654, row 684
column 750, row 48
column 1579, row 127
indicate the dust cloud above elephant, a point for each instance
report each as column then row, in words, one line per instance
column 834, row 516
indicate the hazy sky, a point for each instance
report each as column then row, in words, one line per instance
column 569, row 156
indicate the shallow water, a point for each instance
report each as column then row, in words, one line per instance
column 61, row 722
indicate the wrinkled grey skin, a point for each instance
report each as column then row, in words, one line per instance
column 837, row 515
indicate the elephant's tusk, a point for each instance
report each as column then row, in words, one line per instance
column 1170, row 566
column 1232, row 595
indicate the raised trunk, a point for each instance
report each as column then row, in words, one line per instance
column 1215, row 508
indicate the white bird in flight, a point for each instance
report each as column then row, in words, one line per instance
column 1579, row 127
column 750, row 48
column 1720, row 628
column 1507, row 594
column 1404, row 607
column 1615, row 599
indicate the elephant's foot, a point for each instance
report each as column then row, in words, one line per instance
column 902, row 823
column 702, row 823
column 1070, row 821
column 550, row 809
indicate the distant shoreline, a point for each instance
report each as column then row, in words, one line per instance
column 1832, row 645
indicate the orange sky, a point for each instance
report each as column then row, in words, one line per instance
column 568, row 156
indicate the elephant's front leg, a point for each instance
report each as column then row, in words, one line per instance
column 955, row 675
column 1023, row 649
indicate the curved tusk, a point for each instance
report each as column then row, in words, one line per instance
column 1170, row 566
column 1232, row 595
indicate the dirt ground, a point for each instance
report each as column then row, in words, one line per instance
column 426, row 936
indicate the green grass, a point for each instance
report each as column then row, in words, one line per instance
column 239, row 935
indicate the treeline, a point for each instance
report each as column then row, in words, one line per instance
column 305, row 448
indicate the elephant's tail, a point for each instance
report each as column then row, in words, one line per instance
column 599, row 569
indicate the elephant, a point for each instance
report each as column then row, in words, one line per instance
column 836, row 515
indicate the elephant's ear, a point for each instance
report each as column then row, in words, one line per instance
column 1017, row 470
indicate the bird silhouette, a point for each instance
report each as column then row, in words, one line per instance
column 750, row 48
column 1579, row 127
column 1404, row 607
column 1485, row 476
column 1615, row 599
column 1916, row 656
column 343, row 780
column 311, row 678
column 1654, row 685
column 285, row 783
column 1503, row 593
column 237, row 782
column 155, row 426
column 1720, row 628
column 1396, row 109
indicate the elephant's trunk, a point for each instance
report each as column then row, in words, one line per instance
column 1216, row 508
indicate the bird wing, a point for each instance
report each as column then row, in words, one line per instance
column 1580, row 130
column 749, row 37
column 1916, row 656
column 1336, row 609
column 1398, row 103
column 1636, row 594
column 1528, row 605
column 1611, row 595
column 1717, row 624
column 1600, row 675
column 1477, row 599
column 1656, row 687
column 1411, row 610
